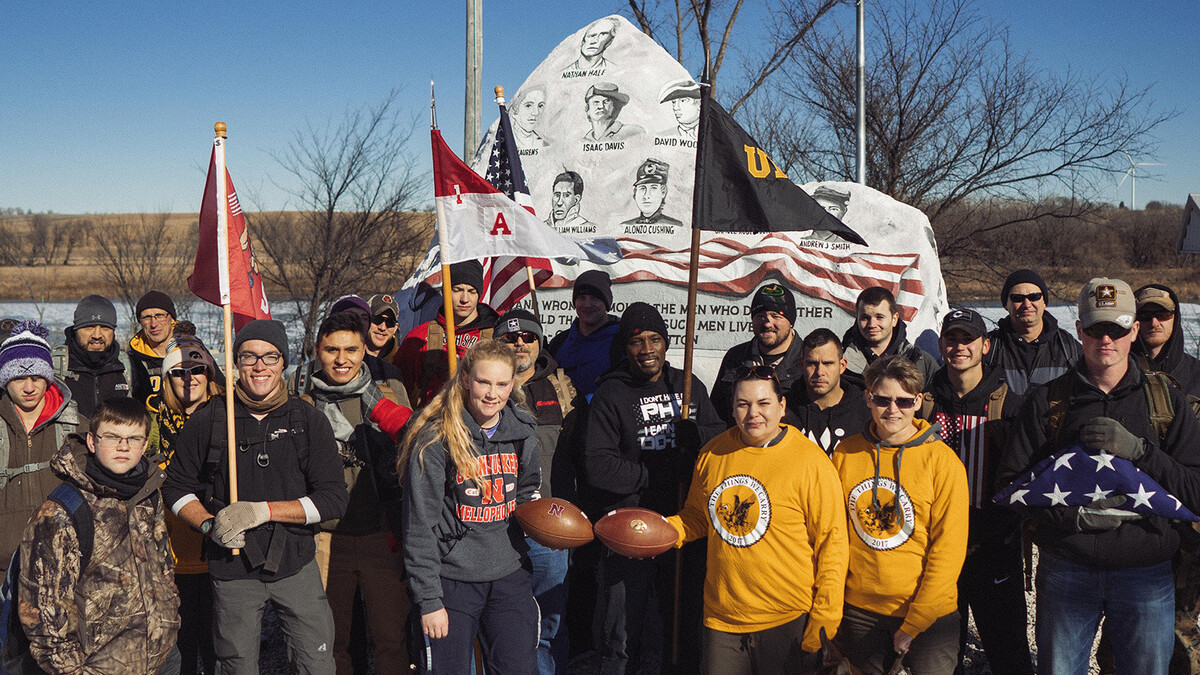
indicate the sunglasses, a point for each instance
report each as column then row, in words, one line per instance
column 524, row 336
column 1100, row 330
column 383, row 319
column 180, row 372
column 755, row 372
column 902, row 402
column 1159, row 313
column 1017, row 298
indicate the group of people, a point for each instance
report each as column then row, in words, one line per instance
column 833, row 495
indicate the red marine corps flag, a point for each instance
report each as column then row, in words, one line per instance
column 226, row 271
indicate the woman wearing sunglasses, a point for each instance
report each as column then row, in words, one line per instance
column 910, row 541
column 770, row 504
column 190, row 380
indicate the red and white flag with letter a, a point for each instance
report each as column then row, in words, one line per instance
column 226, row 271
column 481, row 222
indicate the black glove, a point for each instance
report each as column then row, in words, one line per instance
column 1102, row 515
column 687, row 436
column 1107, row 434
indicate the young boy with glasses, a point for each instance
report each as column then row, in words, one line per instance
column 102, row 598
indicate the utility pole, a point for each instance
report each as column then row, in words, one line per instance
column 474, row 102
column 861, row 122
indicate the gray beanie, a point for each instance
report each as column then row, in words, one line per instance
column 267, row 330
column 95, row 310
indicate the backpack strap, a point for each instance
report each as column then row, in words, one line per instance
column 565, row 390
column 387, row 392
column 1158, row 399
column 60, row 357
column 995, row 407
column 926, row 412
column 1059, row 394
column 127, row 366
column 71, row 499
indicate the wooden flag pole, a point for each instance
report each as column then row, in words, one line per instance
column 499, row 91
column 448, row 312
column 226, row 310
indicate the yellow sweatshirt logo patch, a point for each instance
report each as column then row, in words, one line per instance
column 891, row 525
column 740, row 510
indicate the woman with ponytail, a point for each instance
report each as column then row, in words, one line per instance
column 465, row 463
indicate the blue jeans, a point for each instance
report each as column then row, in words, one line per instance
column 1138, row 604
column 550, row 590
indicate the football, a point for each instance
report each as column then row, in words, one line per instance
column 554, row 523
column 636, row 532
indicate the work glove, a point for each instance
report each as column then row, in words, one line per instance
column 1102, row 515
column 687, row 436
column 229, row 530
column 1107, row 434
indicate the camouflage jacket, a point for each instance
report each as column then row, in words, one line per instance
column 121, row 614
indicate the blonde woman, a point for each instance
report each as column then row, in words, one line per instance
column 466, row 462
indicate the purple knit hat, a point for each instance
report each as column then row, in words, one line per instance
column 26, row 353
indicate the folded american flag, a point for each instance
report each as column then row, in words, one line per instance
column 1078, row 476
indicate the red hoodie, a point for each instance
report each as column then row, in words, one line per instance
column 424, row 369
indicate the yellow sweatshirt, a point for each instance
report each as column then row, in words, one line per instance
column 905, row 558
column 776, row 535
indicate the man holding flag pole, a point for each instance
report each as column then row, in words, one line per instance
column 256, row 500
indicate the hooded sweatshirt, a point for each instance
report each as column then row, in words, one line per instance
column 789, row 368
column 425, row 367
column 907, row 550
column 1171, row 359
column 452, row 528
column 858, row 353
column 93, row 376
column 830, row 426
column 147, row 368
column 633, row 453
column 1027, row 364
column 119, row 615
column 585, row 357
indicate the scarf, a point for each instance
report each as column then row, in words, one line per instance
column 271, row 402
column 125, row 485
column 326, row 398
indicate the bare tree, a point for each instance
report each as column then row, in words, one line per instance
column 72, row 234
column 353, row 227
column 957, row 123
column 139, row 255
column 711, row 22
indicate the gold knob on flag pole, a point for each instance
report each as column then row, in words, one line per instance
column 220, row 127
column 499, row 91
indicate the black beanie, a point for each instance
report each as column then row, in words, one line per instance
column 516, row 320
column 155, row 300
column 267, row 330
column 95, row 310
column 638, row 317
column 468, row 272
column 774, row 298
column 1023, row 277
column 595, row 283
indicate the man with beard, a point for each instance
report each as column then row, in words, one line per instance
column 564, row 211
column 879, row 331
column 551, row 399
column 830, row 408
column 775, row 344
column 975, row 410
column 1159, row 346
column 1027, row 344
column 90, row 362
column 638, row 451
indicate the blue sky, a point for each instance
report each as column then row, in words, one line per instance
column 108, row 107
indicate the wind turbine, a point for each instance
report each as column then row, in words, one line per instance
column 1132, row 175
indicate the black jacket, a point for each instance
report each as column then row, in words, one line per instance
column 828, row 427
column 1176, row 467
column 858, row 354
column 1027, row 364
column 789, row 370
column 1172, row 359
column 635, row 452
column 961, row 419
column 289, row 454
column 93, row 377
column 556, row 429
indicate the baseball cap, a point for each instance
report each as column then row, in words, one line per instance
column 1106, row 300
column 383, row 302
column 967, row 320
column 1149, row 295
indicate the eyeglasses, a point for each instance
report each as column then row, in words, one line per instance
column 114, row 441
column 902, row 402
column 1159, row 313
column 524, row 336
column 150, row 319
column 1017, row 298
column 384, row 319
column 759, row 372
column 248, row 359
column 1099, row 330
column 180, row 372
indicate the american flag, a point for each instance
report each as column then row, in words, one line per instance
column 505, row 281
column 1078, row 477
column 738, row 266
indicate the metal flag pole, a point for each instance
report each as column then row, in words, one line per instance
column 226, row 306
column 861, row 115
